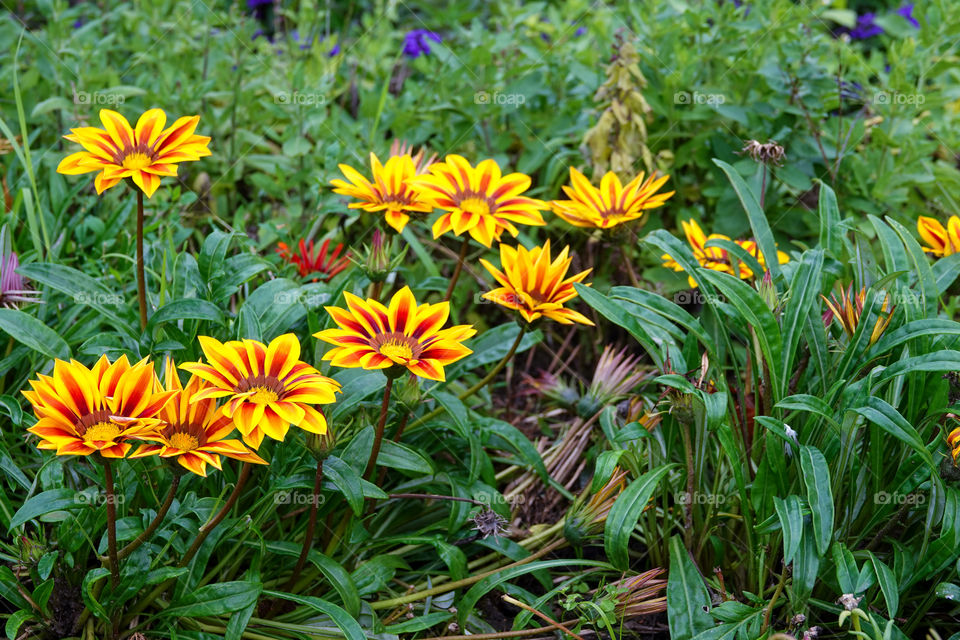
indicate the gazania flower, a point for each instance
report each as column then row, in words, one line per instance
column 954, row 441
column 478, row 200
column 716, row 258
column 308, row 262
column 611, row 204
column 389, row 191
column 143, row 154
column 940, row 242
column 848, row 309
column 533, row 285
column 81, row 411
column 193, row 432
column 404, row 336
column 267, row 387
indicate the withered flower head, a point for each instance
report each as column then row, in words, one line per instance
column 767, row 153
column 489, row 523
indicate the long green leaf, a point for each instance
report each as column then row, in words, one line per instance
column 626, row 510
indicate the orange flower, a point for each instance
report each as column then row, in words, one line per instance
column 478, row 200
column 402, row 337
column 940, row 242
column 81, row 411
column 143, row 154
column 717, row 258
column 267, row 386
column 193, row 431
column 389, row 191
column 611, row 204
column 534, row 285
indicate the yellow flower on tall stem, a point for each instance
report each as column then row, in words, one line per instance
column 717, row 258
column 81, row 411
column 535, row 284
column 144, row 154
column 480, row 201
column 940, row 241
column 388, row 191
column 193, row 431
column 404, row 337
column 267, row 387
column 610, row 204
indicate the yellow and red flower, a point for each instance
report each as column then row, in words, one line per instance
column 82, row 411
column 389, row 191
column 478, row 200
column 717, row 258
column 143, row 154
column 193, row 432
column 404, row 336
column 941, row 241
column 612, row 203
column 308, row 262
column 848, row 309
column 267, row 387
column 536, row 285
column 953, row 440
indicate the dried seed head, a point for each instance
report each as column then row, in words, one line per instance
column 849, row 601
column 490, row 523
column 767, row 153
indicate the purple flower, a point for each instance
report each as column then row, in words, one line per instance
column 416, row 42
column 866, row 27
column 13, row 286
column 907, row 12
column 78, row 23
column 335, row 51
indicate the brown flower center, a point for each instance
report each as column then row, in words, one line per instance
column 265, row 389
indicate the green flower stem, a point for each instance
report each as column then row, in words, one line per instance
column 224, row 510
column 141, row 277
column 308, row 536
column 192, row 551
column 378, row 438
column 480, row 385
column 111, row 524
column 148, row 532
column 456, row 271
